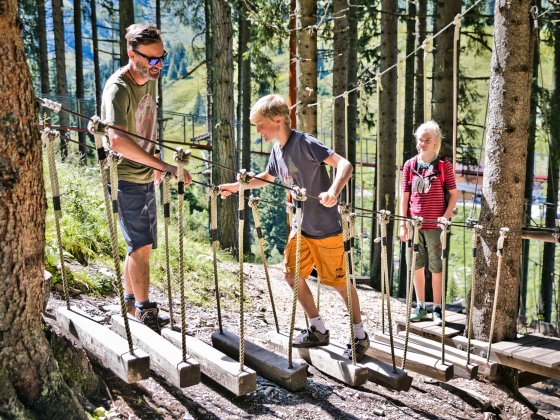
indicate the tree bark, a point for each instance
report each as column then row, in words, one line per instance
column 340, row 74
column 223, row 140
column 442, row 82
column 306, row 66
column 95, row 48
column 503, row 185
column 353, row 96
column 61, row 80
column 79, row 76
column 126, row 18
column 419, row 63
column 31, row 384
column 43, row 50
column 386, row 148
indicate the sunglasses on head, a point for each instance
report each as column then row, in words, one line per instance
column 152, row 61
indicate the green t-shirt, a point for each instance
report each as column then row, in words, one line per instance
column 126, row 104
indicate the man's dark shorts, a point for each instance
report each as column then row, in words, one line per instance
column 137, row 214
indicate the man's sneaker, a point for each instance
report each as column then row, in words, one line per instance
column 361, row 347
column 163, row 320
column 436, row 316
column 148, row 315
column 311, row 338
column 418, row 314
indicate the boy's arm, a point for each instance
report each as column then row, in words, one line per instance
column 343, row 173
column 257, row 182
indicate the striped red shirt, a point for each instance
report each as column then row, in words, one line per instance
column 426, row 192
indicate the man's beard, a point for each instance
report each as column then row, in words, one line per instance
column 145, row 71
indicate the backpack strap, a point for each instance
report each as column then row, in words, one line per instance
column 441, row 170
column 413, row 163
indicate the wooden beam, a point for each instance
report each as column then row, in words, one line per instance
column 163, row 355
column 106, row 346
column 265, row 362
column 214, row 364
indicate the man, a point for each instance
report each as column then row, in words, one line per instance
column 129, row 103
column 299, row 159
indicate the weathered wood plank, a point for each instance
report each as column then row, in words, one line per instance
column 109, row 348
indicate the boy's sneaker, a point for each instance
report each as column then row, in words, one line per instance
column 361, row 347
column 163, row 320
column 311, row 338
column 148, row 315
column 418, row 314
column 436, row 316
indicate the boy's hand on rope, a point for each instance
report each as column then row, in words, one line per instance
column 228, row 189
column 328, row 199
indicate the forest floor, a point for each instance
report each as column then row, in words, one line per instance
column 324, row 397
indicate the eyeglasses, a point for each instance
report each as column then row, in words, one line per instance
column 153, row 61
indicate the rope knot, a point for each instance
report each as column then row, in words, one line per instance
column 417, row 221
column 245, row 177
column 95, row 126
column 213, row 190
column 115, row 157
column 457, row 20
column 378, row 81
column 300, row 194
column 49, row 136
column 181, row 156
column 427, row 46
column 504, row 232
column 254, row 201
column 444, row 224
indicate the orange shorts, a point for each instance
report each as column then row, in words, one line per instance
column 326, row 254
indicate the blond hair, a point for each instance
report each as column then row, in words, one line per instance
column 429, row 127
column 141, row 34
column 271, row 106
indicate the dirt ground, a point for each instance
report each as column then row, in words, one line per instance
column 323, row 397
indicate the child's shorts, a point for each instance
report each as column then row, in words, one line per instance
column 430, row 245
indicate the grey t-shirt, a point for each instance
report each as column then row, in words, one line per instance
column 300, row 163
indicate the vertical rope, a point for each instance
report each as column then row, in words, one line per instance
column 254, row 203
column 98, row 130
column 476, row 230
column 300, row 197
column 214, row 191
column 181, row 158
column 166, row 222
column 445, row 228
column 49, row 137
column 348, row 187
column 351, row 227
column 345, row 212
column 361, row 123
column 500, row 252
column 427, row 46
column 416, row 224
column 456, row 38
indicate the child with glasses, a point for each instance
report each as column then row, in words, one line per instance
column 427, row 179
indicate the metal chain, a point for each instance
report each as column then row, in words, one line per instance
column 300, row 197
column 214, row 191
column 345, row 213
column 49, row 137
column 416, row 224
column 384, row 219
column 254, row 204
column 445, row 228
column 166, row 221
column 476, row 231
column 500, row 251
column 181, row 158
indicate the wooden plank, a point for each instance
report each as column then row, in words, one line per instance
column 532, row 353
column 485, row 368
column 511, row 350
column 164, row 355
column 382, row 374
column 265, row 362
column 460, row 367
column 422, row 364
column 553, row 373
column 214, row 364
column 327, row 359
column 109, row 348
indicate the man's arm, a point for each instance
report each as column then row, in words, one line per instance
column 343, row 173
column 257, row 182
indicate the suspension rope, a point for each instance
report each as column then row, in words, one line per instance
column 214, row 191
column 49, row 137
column 181, row 158
column 254, row 204
column 416, row 224
column 345, row 213
column 445, row 229
column 428, row 47
column 504, row 232
column 456, row 40
column 351, row 228
column 476, row 231
column 99, row 130
column 166, row 221
column 299, row 198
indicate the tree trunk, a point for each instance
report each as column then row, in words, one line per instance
column 386, row 148
column 409, row 145
column 126, row 18
column 503, row 186
column 353, row 96
column 31, row 384
column 223, row 140
column 208, row 35
column 306, row 66
column 95, row 47
column 442, row 82
column 79, row 76
column 160, row 92
column 419, row 82
column 61, row 81
column 340, row 74
column 43, row 50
